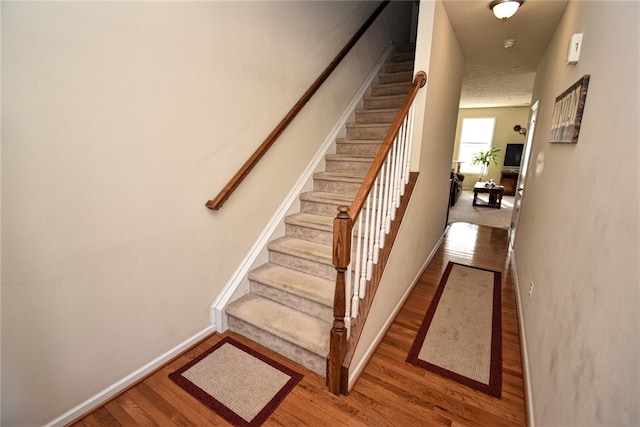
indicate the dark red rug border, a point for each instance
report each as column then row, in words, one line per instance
column 494, row 388
column 215, row 405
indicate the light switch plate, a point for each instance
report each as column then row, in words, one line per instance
column 573, row 55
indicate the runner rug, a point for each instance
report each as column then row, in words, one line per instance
column 240, row 384
column 461, row 335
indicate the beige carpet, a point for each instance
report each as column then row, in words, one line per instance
column 464, row 211
column 241, row 385
column 460, row 337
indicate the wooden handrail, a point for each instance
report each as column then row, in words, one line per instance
column 217, row 202
column 337, row 380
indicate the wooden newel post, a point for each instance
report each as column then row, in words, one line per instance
column 342, row 225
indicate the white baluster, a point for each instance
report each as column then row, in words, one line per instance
column 387, row 197
column 401, row 160
column 363, row 274
column 356, row 291
column 409, row 144
column 376, row 247
column 372, row 230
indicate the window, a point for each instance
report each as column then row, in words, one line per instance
column 476, row 135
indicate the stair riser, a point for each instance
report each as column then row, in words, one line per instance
column 377, row 132
column 304, row 357
column 372, row 116
column 358, row 149
column 402, row 57
column 383, row 102
column 294, row 301
column 326, row 271
column 319, row 208
column 403, row 76
column 394, row 67
column 310, row 234
column 341, row 187
column 347, row 166
column 390, row 90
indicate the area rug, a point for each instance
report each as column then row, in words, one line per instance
column 240, row 384
column 464, row 211
column 461, row 335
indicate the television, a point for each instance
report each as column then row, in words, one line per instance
column 513, row 156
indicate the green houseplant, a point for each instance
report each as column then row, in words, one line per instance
column 485, row 158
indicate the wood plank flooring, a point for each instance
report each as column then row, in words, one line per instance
column 390, row 391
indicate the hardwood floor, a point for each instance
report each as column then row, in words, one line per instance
column 390, row 391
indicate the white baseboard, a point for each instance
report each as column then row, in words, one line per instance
column 234, row 286
column 523, row 344
column 130, row 379
column 357, row 371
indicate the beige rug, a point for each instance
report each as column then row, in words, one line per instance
column 461, row 335
column 240, row 384
column 464, row 211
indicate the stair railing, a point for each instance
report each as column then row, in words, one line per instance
column 359, row 232
column 217, row 202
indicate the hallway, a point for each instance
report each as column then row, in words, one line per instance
column 389, row 392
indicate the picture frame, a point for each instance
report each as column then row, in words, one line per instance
column 567, row 113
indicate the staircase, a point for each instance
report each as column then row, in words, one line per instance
column 290, row 305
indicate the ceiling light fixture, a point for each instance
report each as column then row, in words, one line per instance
column 508, row 43
column 505, row 9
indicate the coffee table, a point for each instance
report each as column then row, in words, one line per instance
column 495, row 194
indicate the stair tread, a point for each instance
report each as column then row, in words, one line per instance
column 376, row 110
column 317, row 222
column 385, row 96
column 349, row 158
column 303, row 249
column 295, row 282
column 368, row 125
column 301, row 329
column 340, row 176
column 359, row 141
column 321, row 196
column 392, row 84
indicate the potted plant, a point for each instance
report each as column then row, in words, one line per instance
column 485, row 158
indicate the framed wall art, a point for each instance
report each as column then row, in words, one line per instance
column 567, row 112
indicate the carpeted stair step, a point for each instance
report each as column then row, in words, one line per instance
column 400, row 76
column 296, row 335
column 323, row 203
column 384, row 115
column 311, row 227
column 381, row 102
column 345, row 163
column 399, row 88
column 337, row 182
column 302, row 255
column 310, row 294
column 367, row 130
column 403, row 55
column 358, row 147
column 394, row 67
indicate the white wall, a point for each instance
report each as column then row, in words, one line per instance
column 439, row 54
column 506, row 119
column 578, row 235
column 120, row 119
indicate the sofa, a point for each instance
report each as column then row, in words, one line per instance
column 455, row 191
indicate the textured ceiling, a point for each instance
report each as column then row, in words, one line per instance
column 495, row 76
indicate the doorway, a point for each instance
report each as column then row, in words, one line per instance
column 524, row 169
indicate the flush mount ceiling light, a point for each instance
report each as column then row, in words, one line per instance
column 505, row 9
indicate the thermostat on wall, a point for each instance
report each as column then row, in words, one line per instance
column 573, row 55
